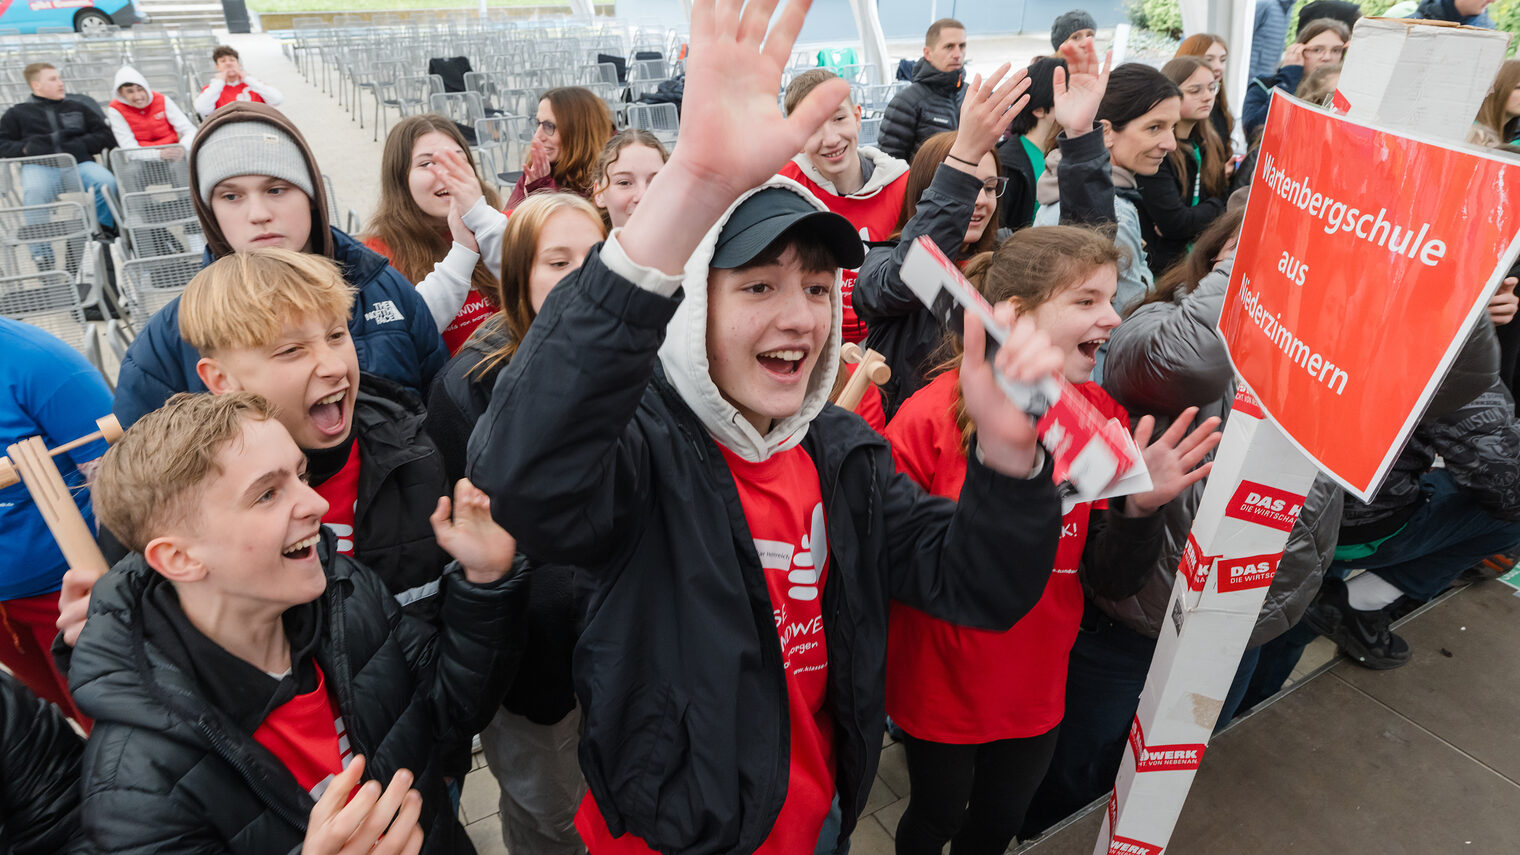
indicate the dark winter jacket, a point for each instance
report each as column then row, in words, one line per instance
column 43, row 126
column 900, row 327
column 1253, row 114
column 1165, row 358
column 543, row 691
column 393, row 332
column 1480, row 444
column 1446, row 10
column 1169, row 220
column 401, row 476
column 166, row 771
column 930, row 105
column 679, row 668
column 39, row 774
column 1018, row 202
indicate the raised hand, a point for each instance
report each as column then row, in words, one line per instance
column 1004, row 433
column 1172, row 459
column 733, row 136
column 373, row 822
column 1079, row 87
column 1294, row 55
column 986, row 113
column 460, row 180
column 472, row 536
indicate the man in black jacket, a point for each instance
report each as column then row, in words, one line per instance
column 744, row 536
column 932, row 103
column 49, row 123
column 237, row 667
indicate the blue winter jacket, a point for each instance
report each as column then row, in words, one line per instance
column 392, row 328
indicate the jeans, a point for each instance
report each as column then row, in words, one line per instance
column 1448, row 534
column 1104, row 677
column 828, row 836
column 971, row 796
column 40, row 185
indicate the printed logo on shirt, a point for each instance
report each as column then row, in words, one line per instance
column 799, row 637
column 1240, row 574
column 801, row 567
column 384, row 312
column 1265, row 505
column 344, row 533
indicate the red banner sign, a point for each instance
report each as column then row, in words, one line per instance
column 1364, row 258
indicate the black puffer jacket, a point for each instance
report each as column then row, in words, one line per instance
column 900, row 327
column 167, row 772
column 1018, row 202
column 679, row 668
column 930, row 105
column 401, row 476
column 44, row 126
column 543, row 691
column 1169, row 220
column 39, row 774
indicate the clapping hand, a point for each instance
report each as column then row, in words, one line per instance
column 472, row 536
column 1172, row 459
column 538, row 163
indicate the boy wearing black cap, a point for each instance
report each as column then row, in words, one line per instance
column 743, row 537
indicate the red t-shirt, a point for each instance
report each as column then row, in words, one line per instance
column 874, row 215
column 307, row 735
column 870, row 408
column 963, row 686
column 474, row 311
column 783, row 506
column 239, row 92
column 342, row 494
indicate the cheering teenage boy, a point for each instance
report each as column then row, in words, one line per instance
column 745, row 537
column 237, row 667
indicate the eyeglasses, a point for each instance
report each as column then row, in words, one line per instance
column 994, row 187
column 547, row 127
column 1321, row 51
column 1195, row 91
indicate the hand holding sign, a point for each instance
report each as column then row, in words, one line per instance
column 1502, row 306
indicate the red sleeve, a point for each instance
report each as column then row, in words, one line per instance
column 872, row 411
column 916, row 428
column 379, row 246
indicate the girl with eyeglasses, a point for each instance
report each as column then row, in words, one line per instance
column 1189, row 188
column 572, row 126
column 1216, row 53
column 1320, row 42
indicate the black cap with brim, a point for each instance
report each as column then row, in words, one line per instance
column 771, row 213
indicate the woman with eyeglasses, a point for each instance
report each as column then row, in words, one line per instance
column 1320, row 42
column 573, row 125
column 1189, row 188
column 1215, row 53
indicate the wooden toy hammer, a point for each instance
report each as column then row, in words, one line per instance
column 30, row 462
column 872, row 368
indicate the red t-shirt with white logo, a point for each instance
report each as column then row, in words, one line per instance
column 783, row 506
column 474, row 311
column 958, row 685
column 235, row 92
column 307, row 735
column 342, row 494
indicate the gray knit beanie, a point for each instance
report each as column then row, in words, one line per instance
column 1070, row 23
column 250, row 148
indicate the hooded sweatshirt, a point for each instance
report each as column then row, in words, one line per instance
column 162, row 122
column 873, row 209
column 392, row 326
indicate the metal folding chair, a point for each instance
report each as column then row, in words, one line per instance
column 662, row 120
column 51, row 302
column 161, row 222
column 153, row 168
column 148, row 284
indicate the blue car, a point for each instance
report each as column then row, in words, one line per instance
column 84, row 16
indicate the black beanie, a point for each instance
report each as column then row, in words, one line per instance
column 1069, row 23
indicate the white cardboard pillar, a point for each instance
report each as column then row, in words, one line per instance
column 873, row 41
